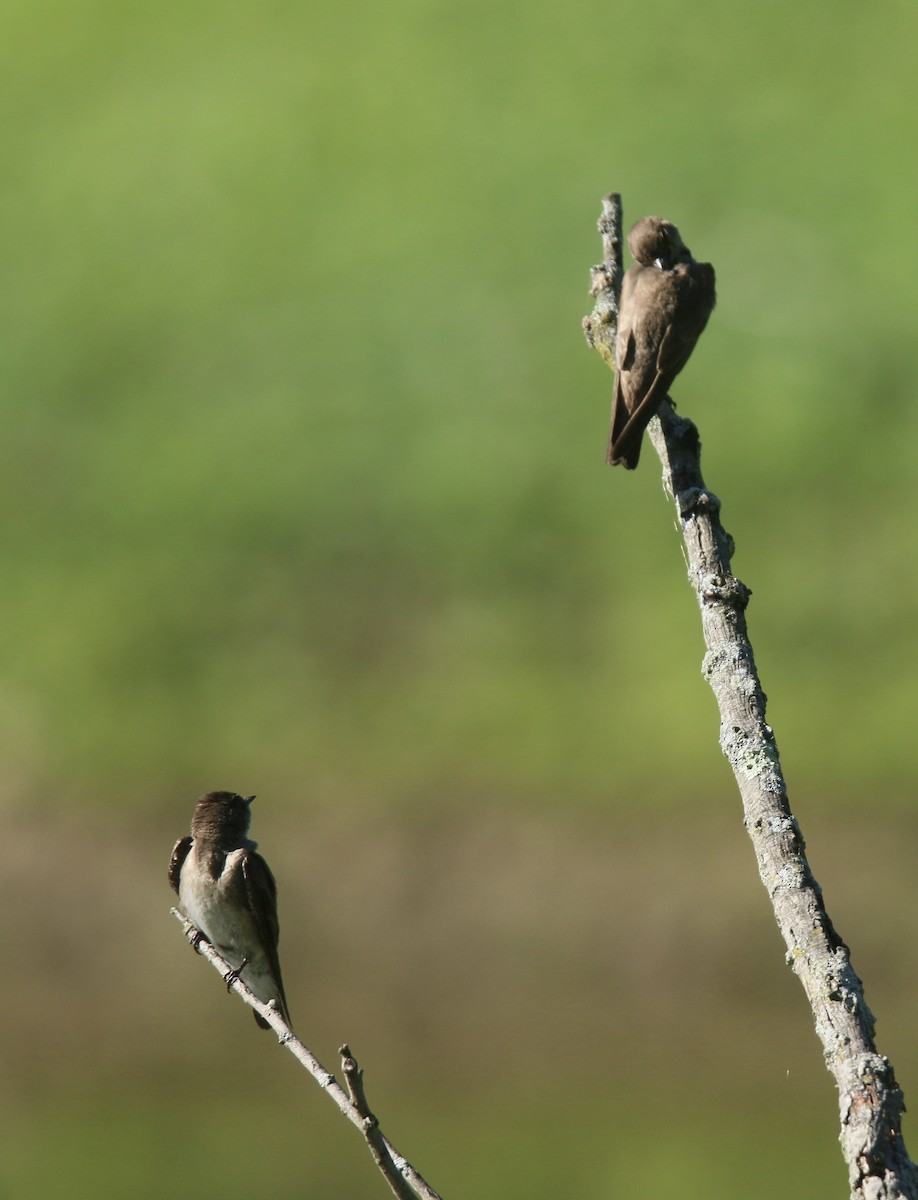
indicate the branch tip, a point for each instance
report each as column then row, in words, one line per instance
column 404, row 1181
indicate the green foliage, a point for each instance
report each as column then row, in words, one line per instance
column 304, row 450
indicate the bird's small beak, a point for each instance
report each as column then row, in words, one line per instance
column 658, row 262
column 249, row 799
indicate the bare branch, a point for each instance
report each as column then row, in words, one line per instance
column 871, row 1103
column 405, row 1182
column 353, row 1077
column 606, row 282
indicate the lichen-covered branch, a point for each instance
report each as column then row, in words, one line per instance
column 606, row 282
column 870, row 1100
column 404, row 1181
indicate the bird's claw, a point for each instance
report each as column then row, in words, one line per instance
column 231, row 976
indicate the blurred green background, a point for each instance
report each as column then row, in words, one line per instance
column 304, row 496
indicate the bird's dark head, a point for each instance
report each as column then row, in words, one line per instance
column 223, row 817
column 655, row 242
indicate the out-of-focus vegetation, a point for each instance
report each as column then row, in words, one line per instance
column 304, row 495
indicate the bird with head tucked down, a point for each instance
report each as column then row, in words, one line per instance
column 665, row 303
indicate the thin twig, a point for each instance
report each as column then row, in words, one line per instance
column 401, row 1176
column 353, row 1077
column 871, row 1102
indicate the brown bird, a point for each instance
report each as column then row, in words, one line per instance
column 228, row 891
column 666, row 300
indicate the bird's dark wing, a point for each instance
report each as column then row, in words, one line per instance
column 631, row 414
column 624, row 360
column 637, row 394
column 663, row 315
column 179, row 854
column 261, row 891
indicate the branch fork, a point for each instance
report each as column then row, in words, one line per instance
column 404, row 1181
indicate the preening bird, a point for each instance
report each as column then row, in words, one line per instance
column 665, row 303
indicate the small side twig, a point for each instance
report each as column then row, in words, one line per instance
column 353, row 1077
column 405, row 1182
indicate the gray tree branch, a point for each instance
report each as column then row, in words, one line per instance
column 404, row 1181
column 870, row 1101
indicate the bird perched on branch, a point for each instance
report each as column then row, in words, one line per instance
column 227, row 890
column 665, row 303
